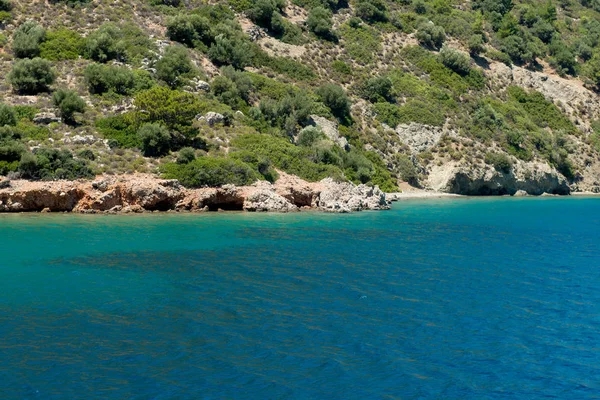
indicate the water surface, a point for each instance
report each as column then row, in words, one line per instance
column 453, row 298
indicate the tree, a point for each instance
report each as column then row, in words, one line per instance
column 68, row 103
column 155, row 139
column 27, row 39
column 174, row 65
column 31, row 76
column 8, row 116
column 319, row 22
column 334, row 97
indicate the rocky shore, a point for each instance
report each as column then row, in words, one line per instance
column 141, row 193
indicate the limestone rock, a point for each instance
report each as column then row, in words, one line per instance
column 45, row 118
column 419, row 137
column 330, row 129
column 345, row 197
column 211, row 118
column 263, row 198
column 534, row 178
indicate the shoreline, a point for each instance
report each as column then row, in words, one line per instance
column 138, row 193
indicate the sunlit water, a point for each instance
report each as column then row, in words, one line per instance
column 450, row 299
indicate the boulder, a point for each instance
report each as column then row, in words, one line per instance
column 211, row 118
column 45, row 118
column 343, row 197
column 263, row 198
column 330, row 129
column 419, row 137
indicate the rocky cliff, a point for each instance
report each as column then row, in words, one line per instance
column 142, row 192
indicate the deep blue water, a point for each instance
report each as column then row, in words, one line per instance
column 440, row 299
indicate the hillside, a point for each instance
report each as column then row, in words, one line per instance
column 472, row 97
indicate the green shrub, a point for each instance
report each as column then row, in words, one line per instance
column 334, row 97
column 125, row 43
column 231, row 48
column 264, row 11
column 211, row 171
column 309, row 136
column 455, row 60
column 68, row 103
column 62, row 44
column 319, row 22
column 5, row 5
column 476, row 44
column 174, row 67
column 102, row 79
column 172, row 108
column 31, row 76
column 372, row 10
column 87, row 154
column 499, row 161
column 104, row 45
column 377, row 89
column 155, row 139
column 186, row 155
column 27, row 39
column 8, row 116
column 431, row 35
column 190, row 29
column 122, row 129
column 406, row 170
column 297, row 160
column 50, row 164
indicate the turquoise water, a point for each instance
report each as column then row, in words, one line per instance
column 453, row 299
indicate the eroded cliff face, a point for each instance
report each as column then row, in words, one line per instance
column 140, row 192
column 532, row 177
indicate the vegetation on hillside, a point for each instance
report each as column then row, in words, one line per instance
column 137, row 82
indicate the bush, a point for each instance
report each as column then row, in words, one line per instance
column 31, row 76
column 27, row 39
column 104, row 44
column 377, row 89
column 263, row 11
column 455, row 60
column 499, row 161
column 86, row 154
column 372, row 10
column 309, row 136
column 334, row 97
column 476, row 44
column 50, row 164
column 68, row 103
column 319, row 22
column 5, row 5
column 186, row 155
column 190, row 29
column 8, row 116
column 174, row 66
column 211, row 171
column 431, row 35
column 172, row 108
column 231, row 48
column 62, row 44
column 102, row 79
column 155, row 139
column 406, row 169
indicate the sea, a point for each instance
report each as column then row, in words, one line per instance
column 461, row 298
